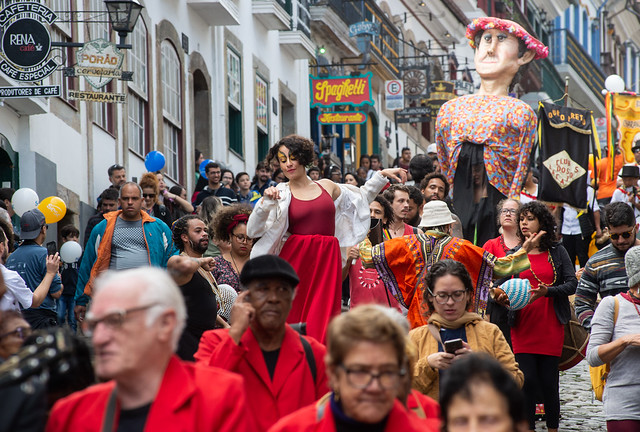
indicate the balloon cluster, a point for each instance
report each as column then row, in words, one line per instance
column 26, row 199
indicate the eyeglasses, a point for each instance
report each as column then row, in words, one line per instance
column 112, row 321
column 361, row 379
column 625, row 235
column 144, row 195
column 243, row 238
column 21, row 332
column 505, row 211
column 442, row 298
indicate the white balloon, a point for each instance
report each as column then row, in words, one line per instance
column 70, row 252
column 23, row 200
column 614, row 83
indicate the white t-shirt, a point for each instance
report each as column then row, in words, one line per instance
column 18, row 293
column 570, row 223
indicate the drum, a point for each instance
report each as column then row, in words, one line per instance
column 574, row 348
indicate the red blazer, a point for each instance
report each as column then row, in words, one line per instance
column 306, row 420
column 191, row 398
column 292, row 387
column 425, row 408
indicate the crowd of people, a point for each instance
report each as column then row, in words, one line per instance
column 308, row 299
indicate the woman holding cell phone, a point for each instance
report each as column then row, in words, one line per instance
column 452, row 331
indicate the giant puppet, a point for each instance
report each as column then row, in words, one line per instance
column 484, row 140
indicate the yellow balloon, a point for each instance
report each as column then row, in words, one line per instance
column 53, row 209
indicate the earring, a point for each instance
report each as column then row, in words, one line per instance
column 336, row 396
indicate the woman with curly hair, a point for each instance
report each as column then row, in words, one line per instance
column 537, row 331
column 150, row 191
column 306, row 223
column 230, row 226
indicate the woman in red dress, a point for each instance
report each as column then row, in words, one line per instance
column 537, row 333
column 307, row 223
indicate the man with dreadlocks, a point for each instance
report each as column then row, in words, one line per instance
column 192, row 273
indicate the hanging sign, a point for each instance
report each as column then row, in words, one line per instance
column 88, row 96
column 29, row 91
column 26, row 42
column 364, row 27
column 346, row 90
column 96, row 55
column 342, row 117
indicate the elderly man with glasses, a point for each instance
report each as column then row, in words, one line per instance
column 283, row 371
column 135, row 321
column 605, row 272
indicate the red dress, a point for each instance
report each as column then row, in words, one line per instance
column 537, row 329
column 314, row 252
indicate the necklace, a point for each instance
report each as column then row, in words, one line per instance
column 397, row 232
column 555, row 274
column 234, row 262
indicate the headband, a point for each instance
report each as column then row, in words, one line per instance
column 237, row 219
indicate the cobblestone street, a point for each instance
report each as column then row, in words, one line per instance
column 579, row 411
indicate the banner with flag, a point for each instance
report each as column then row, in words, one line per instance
column 566, row 136
column 626, row 110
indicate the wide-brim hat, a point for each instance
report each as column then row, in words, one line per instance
column 435, row 213
column 488, row 23
column 268, row 266
column 630, row 171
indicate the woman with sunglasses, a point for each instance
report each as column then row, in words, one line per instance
column 230, row 226
column 14, row 329
column 452, row 331
column 537, row 330
column 150, row 204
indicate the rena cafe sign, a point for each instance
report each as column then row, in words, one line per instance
column 26, row 48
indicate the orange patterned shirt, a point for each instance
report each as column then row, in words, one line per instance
column 503, row 124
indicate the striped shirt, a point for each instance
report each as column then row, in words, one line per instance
column 604, row 273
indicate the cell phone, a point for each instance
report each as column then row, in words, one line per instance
column 52, row 248
column 453, row 345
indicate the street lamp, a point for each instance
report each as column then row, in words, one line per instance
column 123, row 15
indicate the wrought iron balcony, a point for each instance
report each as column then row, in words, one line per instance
column 566, row 51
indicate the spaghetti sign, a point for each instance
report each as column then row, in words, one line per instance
column 349, row 90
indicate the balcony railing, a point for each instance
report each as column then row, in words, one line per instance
column 567, row 50
column 385, row 45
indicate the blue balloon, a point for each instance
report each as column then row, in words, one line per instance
column 154, row 161
column 203, row 164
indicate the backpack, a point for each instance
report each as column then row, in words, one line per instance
column 599, row 374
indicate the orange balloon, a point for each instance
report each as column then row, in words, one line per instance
column 53, row 209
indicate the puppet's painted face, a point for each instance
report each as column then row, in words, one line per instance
column 496, row 56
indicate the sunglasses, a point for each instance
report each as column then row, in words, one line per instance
column 624, row 235
column 148, row 195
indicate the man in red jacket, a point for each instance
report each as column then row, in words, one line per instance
column 135, row 321
column 283, row 371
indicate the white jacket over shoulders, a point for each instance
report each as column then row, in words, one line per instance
column 269, row 220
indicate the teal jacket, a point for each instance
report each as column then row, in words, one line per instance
column 97, row 254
